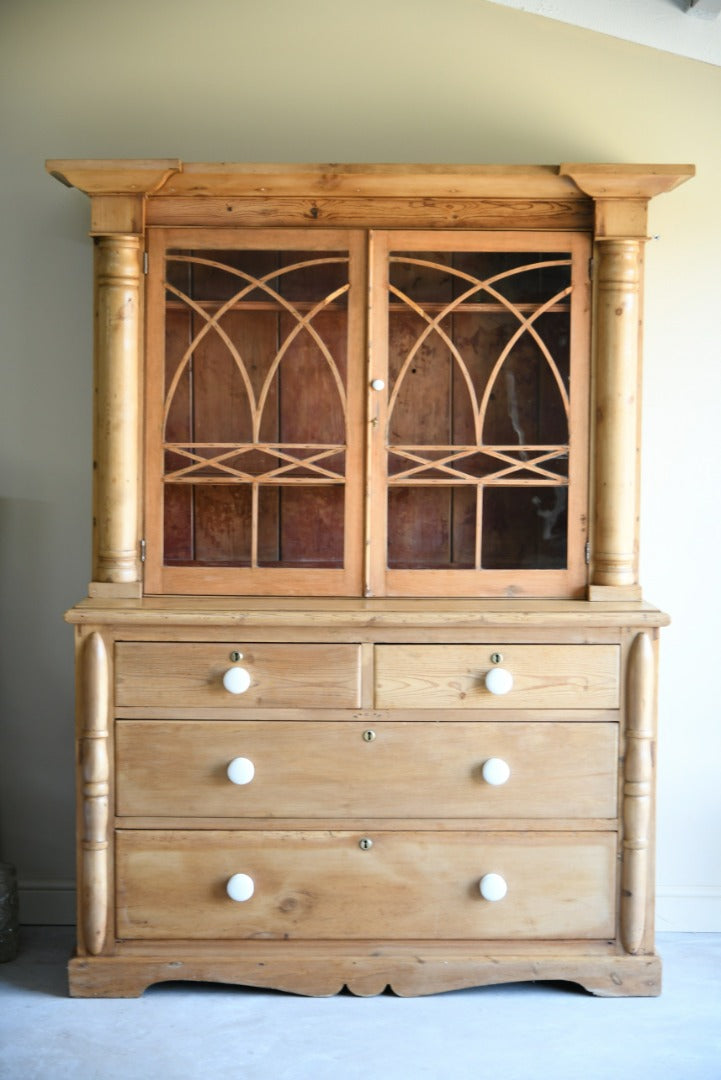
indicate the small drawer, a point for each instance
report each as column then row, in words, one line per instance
column 374, row 885
column 185, row 674
column 531, row 676
column 347, row 769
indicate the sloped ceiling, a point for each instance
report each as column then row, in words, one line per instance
column 689, row 28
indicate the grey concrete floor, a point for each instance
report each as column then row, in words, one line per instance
column 520, row 1032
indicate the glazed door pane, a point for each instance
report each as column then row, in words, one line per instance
column 258, row 436
column 479, row 440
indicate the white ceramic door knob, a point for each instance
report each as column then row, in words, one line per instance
column 236, row 680
column 495, row 771
column 241, row 770
column 499, row 681
column 493, row 887
column 240, row 887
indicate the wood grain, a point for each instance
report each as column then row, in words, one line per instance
column 95, row 775
column 367, row 716
column 544, row 676
column 617, row 405
column 371, row 770
column 325, row 887
column 421, row 968
column 116, row 428
column 636, row 888
column 287, row 675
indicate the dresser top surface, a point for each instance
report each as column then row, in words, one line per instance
column 305, row 611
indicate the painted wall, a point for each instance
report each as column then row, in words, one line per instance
column 337, row 80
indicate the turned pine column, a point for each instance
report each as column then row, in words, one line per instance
column 95, row 788
column 118, row 278
column 618, row 275
column 118, row 191
column 637, row 867
column 621, row 194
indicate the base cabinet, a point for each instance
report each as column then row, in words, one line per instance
column 358, row 803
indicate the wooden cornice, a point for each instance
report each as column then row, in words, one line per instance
column 170, row 177
column 128, row 195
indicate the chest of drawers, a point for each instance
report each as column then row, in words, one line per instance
column 357, row 807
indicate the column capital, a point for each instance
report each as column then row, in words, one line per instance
column 621, row 193
column 626, row 181
column 117, row 189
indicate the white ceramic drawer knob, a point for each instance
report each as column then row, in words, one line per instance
column 496, row 771
column 236, row 680
column 241, row 770
column 493, row 887
column 378, row 384
column 240, row 887
column 499, row 681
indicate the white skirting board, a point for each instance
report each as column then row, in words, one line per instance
column 694, row 910
column 678, row 908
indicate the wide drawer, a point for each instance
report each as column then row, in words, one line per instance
column 175, row 674
column 345, row 885
column 454, row 676
column 180, row 768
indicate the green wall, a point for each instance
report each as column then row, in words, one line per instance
column 383, row 80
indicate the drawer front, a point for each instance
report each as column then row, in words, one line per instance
column 335, row 770
column 283, row 675
column 454, row 676
column 415, row 885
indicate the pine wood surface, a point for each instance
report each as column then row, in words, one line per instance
column 638, row 792
column 544, row 676
column 423, row 969
column 349, row 769
column 117, row 409
column 364, row 640
column 366, row 715
column 616, row 404
column 385, row 212
column 94, row 782
column 282, row 674
column 96, row 176
column 177, row 612
column 325, row 887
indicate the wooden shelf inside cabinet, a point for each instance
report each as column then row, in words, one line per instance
column 364, row 585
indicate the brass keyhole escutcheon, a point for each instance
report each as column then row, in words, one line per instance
column 235, row 656
column 365, row 844
column 369, row 735
column 496, row 658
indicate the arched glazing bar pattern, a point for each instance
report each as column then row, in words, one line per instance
column 487, row 344
column 271, row 322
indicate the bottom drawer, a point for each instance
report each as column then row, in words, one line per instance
column 404, row 885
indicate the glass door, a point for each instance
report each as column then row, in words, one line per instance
column 478, row 442
column 254, row 412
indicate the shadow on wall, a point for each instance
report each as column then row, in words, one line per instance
column 36, row 695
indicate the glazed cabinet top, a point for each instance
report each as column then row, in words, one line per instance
column 292, row 447
column 367, row 380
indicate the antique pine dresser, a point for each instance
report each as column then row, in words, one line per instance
column 366, row 685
